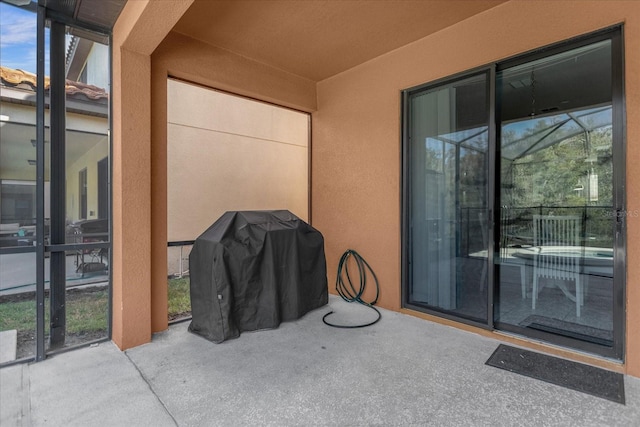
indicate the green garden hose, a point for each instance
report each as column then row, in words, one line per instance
column 349, row 293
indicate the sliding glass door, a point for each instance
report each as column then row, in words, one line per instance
column 448, row 151
column 513, row 196
column 557, row 229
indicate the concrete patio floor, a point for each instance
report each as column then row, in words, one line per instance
column 403, row 371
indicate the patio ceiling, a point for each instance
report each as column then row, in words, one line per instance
column 318, row 39
column 92, row 14
column 91, row 19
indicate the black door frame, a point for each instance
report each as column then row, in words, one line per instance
column 615, row 35
column 489, row 71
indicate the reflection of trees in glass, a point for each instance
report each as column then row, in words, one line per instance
column 456, row 179
column 473, row 198
column 433, row 155
column 559, row 174
column 556, row 178
column 473, row 166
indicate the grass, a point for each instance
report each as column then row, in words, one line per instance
column 179, row 298
column 86, row 312
column 86, row 309
column 19, row 315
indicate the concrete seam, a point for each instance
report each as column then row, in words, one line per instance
column 275, row 141
column 25, row 416
column 151, row 388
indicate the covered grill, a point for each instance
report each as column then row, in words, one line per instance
column 253, row 270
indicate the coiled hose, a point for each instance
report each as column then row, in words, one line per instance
column 348, row 292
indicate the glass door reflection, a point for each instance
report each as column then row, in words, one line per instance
column 556, row 231
column 449, row 207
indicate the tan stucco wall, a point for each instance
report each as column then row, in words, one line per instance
column 140, row 28
column 359, row 117
column 190, row 60
column 229, row 153
column 131, row 208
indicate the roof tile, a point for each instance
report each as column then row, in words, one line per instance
column 15, row 77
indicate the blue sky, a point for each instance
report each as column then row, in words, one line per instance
column 18, row 39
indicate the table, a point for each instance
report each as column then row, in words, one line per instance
column 595, row 261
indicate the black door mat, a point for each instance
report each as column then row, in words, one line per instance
column 575, row 376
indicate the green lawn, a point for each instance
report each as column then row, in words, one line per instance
column 86, row 309
column 86, row 312
column 179, row 299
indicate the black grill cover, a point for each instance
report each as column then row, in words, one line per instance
column 252, row 270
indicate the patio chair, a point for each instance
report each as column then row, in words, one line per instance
column 557, row 240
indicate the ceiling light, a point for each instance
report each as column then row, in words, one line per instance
column 3, row 119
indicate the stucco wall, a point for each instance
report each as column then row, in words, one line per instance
column 357, row 204
column 193, row 61
column 141, row 27
column 355, row 140
column 229, row 153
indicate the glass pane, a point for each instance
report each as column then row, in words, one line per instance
column 86, row 296
column 17, row 127
column 448, row 207
column 79, row 285
column 87, row 142
column 18, row 160
column 18, row 182
column 556, row 195
column 18, row 305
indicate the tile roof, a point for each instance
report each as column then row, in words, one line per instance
column 25, row 80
